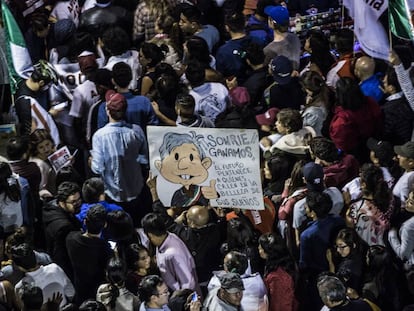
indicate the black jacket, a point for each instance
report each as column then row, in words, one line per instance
column 203, row 243
column 57, row 224
column 398, row 121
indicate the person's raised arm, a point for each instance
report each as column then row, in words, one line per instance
column 403, row 77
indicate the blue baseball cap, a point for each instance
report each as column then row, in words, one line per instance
column 278, row 13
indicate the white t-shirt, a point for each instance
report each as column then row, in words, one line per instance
column 403, row 186
column 211, row 99
column 84, row 97
column 51, row 279
column 131, row 58
column 67, row 10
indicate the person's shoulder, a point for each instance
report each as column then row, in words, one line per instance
column 359, row 305
column 292, row 36
column 73, row 235
column 210, row 28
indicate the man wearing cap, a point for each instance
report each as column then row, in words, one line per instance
column 30, row 109
column 313, row 175
column 405, row 154
column 85, row 95
column 228, row 296
column 120, row 156
column 316, row 240
column 285, row 91
column 284, row 42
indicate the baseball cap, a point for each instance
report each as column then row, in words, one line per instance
column 383, row 149
column 239, row 96
column 281, row 68
column 313, row 174
column 406, row 150
column 115, row 101
column 278, row 13
column 231, row 282
column 267, row 118
column 87, row 62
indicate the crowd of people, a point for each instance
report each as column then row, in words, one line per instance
column 337, row 161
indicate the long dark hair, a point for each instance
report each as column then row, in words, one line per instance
column 383, row 274
column 277, row 254
column 321, row 54
column 296, row 177
column 321, row 94
column 351, row 238
column 198, row 49
column 349, row 94
column 9, row 184
column 375, row 185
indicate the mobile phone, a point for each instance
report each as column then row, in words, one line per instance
column 194, row 296
column 112, row 244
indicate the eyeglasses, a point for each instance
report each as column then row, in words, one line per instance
column 341, row 246
column 74, row 202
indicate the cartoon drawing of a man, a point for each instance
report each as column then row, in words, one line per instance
column 183, row 161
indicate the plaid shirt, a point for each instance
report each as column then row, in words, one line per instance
column 144, row 22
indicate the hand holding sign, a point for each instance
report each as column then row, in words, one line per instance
column 209, row 192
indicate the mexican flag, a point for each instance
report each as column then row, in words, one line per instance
column 18, row 58
column 399, row 19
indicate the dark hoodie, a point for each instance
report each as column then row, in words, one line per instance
column 58, row 223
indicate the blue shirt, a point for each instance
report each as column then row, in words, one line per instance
column 109, row 207
column 230, row 57
column 118, row 151
column 139, row 112
column 371, row 87
column 315, row 240
column 259, row 30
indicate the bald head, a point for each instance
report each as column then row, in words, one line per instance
column 364, row 67
column 197, row 216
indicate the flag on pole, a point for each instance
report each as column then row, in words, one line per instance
column 18, row 57
column 399, row 18
column 367, row 28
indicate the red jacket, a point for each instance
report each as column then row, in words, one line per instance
column 338, row 174
column 350, row 129
column 281, row 289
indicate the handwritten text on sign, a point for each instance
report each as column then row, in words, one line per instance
column 201, row 166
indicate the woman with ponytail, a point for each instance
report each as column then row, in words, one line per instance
column 114, row 295
column 370, row 215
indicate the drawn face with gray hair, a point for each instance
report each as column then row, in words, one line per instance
column 183, row 160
